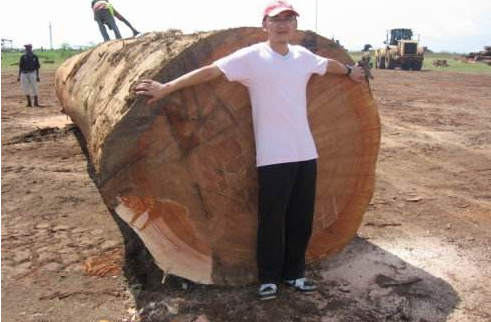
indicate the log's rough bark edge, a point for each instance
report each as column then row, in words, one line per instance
column 179, row 220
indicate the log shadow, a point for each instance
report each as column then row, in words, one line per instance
column 362, row 283
column 368, row 283
column 138, row 267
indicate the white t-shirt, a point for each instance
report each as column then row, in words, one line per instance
column 278, row 91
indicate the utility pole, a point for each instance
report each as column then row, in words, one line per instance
column 316, row 7
column 50, row 37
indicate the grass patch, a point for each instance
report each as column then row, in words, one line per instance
column 356, row 55
column 456, row 64
column 49, row 59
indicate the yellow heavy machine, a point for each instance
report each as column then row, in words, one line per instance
column 400, row 51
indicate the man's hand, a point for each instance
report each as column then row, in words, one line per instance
column 18, row 79
column 152, row 89
column 358, row 74
column 37, row 79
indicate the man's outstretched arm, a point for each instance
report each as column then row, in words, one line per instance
column 157, row 91
column 355, row 73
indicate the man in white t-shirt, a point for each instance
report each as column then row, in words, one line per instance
column 276, row 75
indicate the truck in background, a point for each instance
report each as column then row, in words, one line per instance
column 400, row 51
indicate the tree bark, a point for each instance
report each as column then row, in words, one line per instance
column 182, row 172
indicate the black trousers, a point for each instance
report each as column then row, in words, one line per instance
column 286, row 210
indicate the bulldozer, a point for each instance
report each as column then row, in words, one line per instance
column 400, row 51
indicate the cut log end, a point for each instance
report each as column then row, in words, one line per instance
column 169, row 235
column 182, row 173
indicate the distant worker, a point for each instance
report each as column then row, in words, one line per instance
column 29, row 75
column 104, row 14
column 365, row 55
column 365, row 61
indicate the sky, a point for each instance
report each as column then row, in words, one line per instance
column 451, row 25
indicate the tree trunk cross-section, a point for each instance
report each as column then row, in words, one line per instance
column 182, row 172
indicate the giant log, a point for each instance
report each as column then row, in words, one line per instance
column 182, row 172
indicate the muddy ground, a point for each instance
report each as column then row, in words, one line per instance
column 423, row 252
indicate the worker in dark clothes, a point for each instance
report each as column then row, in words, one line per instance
column 29, row 75
column 104, row 14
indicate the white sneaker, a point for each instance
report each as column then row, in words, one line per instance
column 302, row 285
column 267, row 291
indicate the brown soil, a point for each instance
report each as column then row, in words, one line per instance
column 422, row 253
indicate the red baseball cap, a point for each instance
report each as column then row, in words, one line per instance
column 277, row 7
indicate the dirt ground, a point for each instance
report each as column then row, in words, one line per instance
column 423, row 252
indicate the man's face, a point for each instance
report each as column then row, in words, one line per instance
column 281, row 27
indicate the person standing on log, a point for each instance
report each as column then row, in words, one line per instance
column 104, row 14
column 276, row 75
column 29, row 75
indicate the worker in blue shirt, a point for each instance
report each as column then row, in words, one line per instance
column 29, row 75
